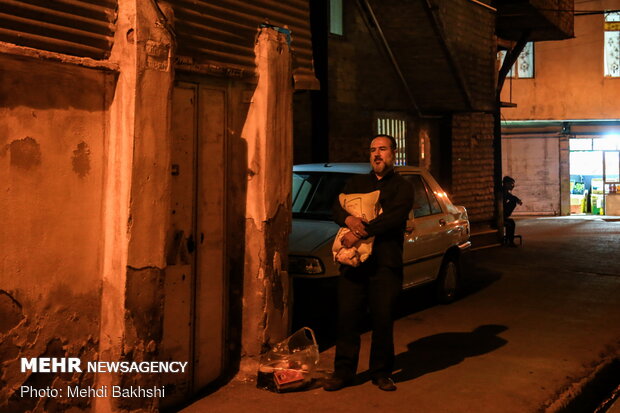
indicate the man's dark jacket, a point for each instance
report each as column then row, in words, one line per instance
column 396, row 200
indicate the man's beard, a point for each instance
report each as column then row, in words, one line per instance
column 380, row 168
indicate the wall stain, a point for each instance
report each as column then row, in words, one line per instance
column 25, row 153
column 81, row 159
column 11, row 311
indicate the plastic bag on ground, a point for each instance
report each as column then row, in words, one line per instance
column 290, row 364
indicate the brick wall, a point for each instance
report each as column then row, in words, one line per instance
column 469, row 31
column 559, row 13
column 472, row 164
column 362, row 82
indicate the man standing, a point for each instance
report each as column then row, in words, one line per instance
column 510, row 203
column 378, row 281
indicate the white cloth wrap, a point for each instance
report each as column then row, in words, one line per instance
column 366, row 207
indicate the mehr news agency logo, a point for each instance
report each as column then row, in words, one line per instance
column 74, row 365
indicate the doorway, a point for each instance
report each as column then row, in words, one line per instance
column 195, row 281
column 595, row 175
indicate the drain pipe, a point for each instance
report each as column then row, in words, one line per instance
column 486, row 6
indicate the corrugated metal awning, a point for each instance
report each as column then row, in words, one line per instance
column 82, row 28
column 217, row 36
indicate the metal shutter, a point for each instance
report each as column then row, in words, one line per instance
column 218, row 35
column 82, row 28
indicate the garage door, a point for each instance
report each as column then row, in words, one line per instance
column 534, row 162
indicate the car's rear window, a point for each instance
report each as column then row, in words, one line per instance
column 314, row 193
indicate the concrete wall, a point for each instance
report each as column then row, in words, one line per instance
column 52, row 166
column 268, row 134
column 569, row 80
column 137, row 198
column 85, row 157
column 85, row 166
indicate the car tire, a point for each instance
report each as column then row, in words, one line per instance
column 448, row 282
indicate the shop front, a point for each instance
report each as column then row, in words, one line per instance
column 595, row 174
column 564, row 167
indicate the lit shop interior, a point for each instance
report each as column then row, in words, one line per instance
column 595, row 175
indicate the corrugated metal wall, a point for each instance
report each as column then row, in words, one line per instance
column 218, row 35
column 82, row 28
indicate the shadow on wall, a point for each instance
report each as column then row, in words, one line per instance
column 49, row 85
column 55, row 124
column 235, row 249
column 236, row 212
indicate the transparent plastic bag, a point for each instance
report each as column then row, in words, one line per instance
column 290, row 364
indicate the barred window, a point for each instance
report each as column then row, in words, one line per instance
column 524, row 66
column 398, row 129
column 612, row 44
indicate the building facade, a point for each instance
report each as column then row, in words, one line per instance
column 560, row 142
column 425, row 70
column 146, row 158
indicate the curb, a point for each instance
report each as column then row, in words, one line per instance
column 590, row 391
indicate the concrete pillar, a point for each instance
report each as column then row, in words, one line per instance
column 268, row 133
column 137, row 183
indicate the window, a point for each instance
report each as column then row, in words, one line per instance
column 524, row 66
column 398, row 129
column 612, row 44
column 435, row 208
column 425, row 203
column 335, row 17
column 586, row 163
column 580, row 144
column 604, row 143
column 314, row 193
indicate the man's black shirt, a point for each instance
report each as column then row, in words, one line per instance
column 510, row 202
column 396, row 200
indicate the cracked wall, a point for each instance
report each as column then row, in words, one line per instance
column 137, row 198
column 268, row 133
column 52, row 146
column 84, row 161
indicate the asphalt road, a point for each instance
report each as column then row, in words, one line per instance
column 534, row 325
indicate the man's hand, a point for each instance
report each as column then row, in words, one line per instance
column 356, row 225
column 349, row 240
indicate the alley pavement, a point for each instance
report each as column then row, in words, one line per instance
column 535, row 324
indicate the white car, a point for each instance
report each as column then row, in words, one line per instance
column 436, row 237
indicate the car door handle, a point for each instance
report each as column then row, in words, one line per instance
column 442, row 222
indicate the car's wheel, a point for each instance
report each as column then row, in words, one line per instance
column 448, row 282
